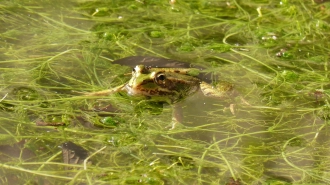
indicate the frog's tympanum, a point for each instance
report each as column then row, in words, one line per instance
column 168, row 85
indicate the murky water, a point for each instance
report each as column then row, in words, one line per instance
column 273, row 132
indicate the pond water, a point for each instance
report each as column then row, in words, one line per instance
column 274, row 131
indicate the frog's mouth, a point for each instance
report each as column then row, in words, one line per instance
column 144, row 90
column 131, row 91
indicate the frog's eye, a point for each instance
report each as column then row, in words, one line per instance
column 160, row 78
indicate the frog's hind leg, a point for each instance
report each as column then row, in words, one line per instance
column 221, row 90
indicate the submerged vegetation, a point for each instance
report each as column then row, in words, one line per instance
column 276, row 53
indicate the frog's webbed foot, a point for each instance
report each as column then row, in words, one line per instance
column 106, row 92
column 232, row 105
column 175, row 124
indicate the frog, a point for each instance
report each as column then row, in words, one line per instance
column 168, row 85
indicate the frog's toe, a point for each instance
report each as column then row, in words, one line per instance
column 175, row 125
column 232, row 108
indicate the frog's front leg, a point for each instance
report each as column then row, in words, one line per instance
column 177, row 115
column 108, row 91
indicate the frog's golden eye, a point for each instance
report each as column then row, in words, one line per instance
column 160, row 78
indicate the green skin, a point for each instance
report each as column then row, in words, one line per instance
column 170, row 85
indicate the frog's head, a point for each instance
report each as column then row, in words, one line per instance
column 142, row 79
column 174, row 82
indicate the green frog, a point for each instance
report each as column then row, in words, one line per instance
column 168, row 85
